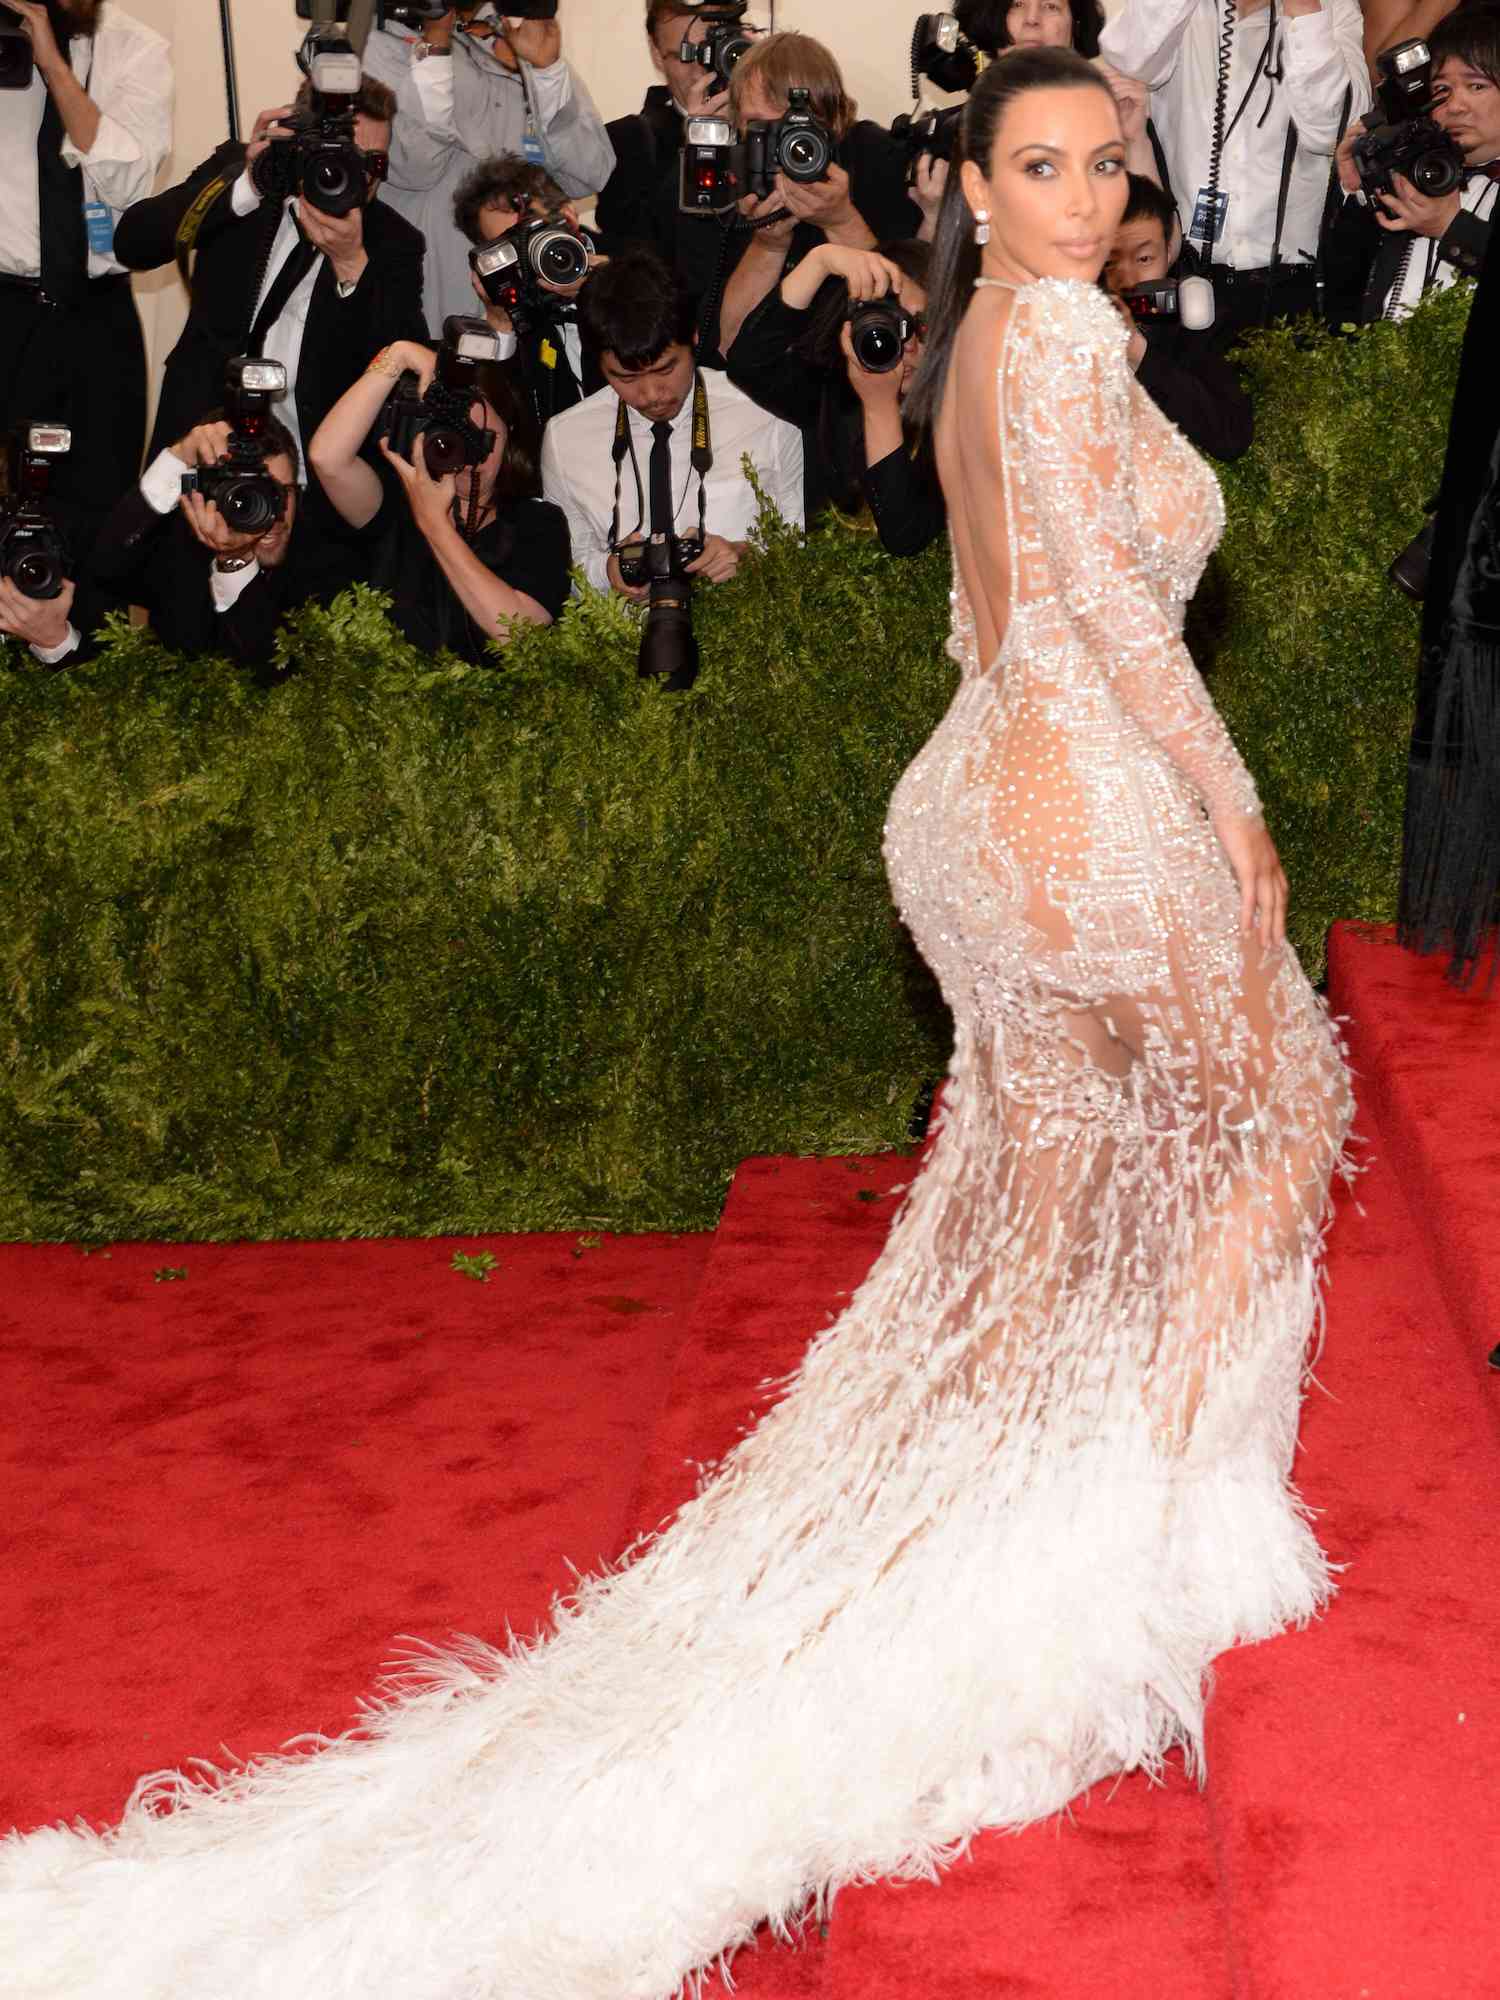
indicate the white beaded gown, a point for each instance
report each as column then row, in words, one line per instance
column 983, row 1548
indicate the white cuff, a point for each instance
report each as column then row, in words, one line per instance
column 161, row 482
column 50, row 656
column 554, row 89
column 243, row 198
column 228, row 586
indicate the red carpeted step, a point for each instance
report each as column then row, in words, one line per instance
column 1355, row 1768
column 1428, row 1057
column 230, row 1489
column 1124, row 1899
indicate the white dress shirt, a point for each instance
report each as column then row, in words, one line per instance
column 578, row 472
column 127, row 71
column 1423, row 270
column 1173, row 45
column 161, row 488
column 283, row 341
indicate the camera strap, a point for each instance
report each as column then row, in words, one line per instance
column 701, row 459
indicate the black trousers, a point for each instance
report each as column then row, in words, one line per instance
column 84, row 366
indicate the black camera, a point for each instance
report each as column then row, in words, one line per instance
column 943, row 53
column 450, row 438
column 718, row 168
column 321, row 161
column 246, row 495
column 518, row 269
column 420, row 14
column 879, row 330
column 658, row 559
column 33, row 553
column 726, row 41
column 1408, row 141
column 1190, row 300
column 16, row 62
column 928, row 135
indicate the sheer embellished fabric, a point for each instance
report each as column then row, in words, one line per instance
column 983, row 1548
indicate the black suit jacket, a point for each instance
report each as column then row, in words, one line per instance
column 646, row 145
column 232, row 251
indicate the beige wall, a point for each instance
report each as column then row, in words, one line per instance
column 603, row 39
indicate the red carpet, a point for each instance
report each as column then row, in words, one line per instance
column 230, row 1492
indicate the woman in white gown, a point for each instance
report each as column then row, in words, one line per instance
column 982, row 1551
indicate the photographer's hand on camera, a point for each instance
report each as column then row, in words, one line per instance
column 829, row 206
column 269, row 125
column 719, row 561
column 538, row 43
column 43, row 623
column 1406, row 210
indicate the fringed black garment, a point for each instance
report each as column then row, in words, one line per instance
column 1450, row 864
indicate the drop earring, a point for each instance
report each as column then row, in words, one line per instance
column 981, row 226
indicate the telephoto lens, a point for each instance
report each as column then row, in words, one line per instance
column 559, row 256
column 878, row 332
column 669, row 645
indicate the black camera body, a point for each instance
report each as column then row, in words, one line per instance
column 1408, row 141
column 718, row 168
column 420, row 14
column 726, row 41
column 879, row 330
column 450, row 438
column 520, row 269
column 16, row 61
column 658, row 559
column 1189, row 301
column 943, row 53
column 246, row 495
column 321, row 161
column 928, row 134
column 33, row 550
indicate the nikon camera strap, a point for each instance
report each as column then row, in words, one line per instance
column 702, row 461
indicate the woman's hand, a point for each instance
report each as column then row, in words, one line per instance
column 867, row 275
column 430, row 500
column 402, row 355
column 1257, row 869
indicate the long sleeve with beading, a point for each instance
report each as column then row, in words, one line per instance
column 1071, row 396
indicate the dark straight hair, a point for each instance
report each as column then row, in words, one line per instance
column 955, row 254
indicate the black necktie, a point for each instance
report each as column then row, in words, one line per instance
column 663, row 513
column 295, row 267
column 65, row 247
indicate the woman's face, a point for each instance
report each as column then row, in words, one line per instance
column 1040, row 24
column 1056, row 186
column 914, row 299
column 485, row 473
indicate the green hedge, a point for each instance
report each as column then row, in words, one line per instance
column 407, row 947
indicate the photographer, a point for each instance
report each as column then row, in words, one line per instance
column 638, row 324
column 78, row 143
column 631, row 208
column 465, row 555
column 206, row 587
column 1248, row 108
column 799, row 356
column 497, row 199
column 861, row 201
column 277, row 275
column 1180, row 370
column 476, row 84
column 1405, row 244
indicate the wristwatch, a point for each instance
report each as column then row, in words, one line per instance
column 232, row 565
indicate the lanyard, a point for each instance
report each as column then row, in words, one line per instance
column 702, row 460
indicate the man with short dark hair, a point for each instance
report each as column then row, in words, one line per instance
column 1180, row 369
column 624, row 465
column 77, row 147
column 278, row 277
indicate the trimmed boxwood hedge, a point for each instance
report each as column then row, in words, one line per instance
column 405, row 947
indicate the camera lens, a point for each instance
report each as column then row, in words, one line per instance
column 36, row 575
column 804, row 155
column 560, row 258
column 444, row 450
column 878, row 333
column 1435, row 174
column 250, row 506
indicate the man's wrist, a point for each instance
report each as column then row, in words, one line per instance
column 348, row 271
